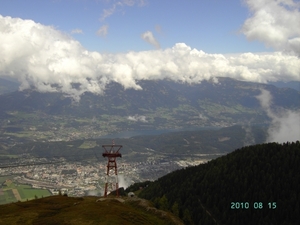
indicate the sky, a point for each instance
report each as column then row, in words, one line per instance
column 117, row 26
column 51, row 44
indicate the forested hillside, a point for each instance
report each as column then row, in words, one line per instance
column 253, row 185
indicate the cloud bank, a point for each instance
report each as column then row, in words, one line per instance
column 285, row 125
column 48, row 60
column 275, row 23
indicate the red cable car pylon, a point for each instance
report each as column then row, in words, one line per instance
column 111, row 181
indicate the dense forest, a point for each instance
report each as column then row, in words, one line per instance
column 256, row 184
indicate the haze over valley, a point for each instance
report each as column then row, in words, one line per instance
column 167, row 126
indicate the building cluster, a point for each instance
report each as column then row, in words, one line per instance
column 86, row 178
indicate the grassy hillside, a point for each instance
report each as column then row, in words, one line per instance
column 253, row 185
column 12, row 192
column 88, row 210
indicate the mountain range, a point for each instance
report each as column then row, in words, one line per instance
column 155, row 95
column 160, row 105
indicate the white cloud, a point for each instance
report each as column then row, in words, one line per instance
column 285, row 125
column 77, row 31
column 119, row 5
column 275, row 23
column 123, row 181
column 108, row 12
column 137, row 118
column 44, row 58
column 158, row 29
column 102, row 32
column 148, row 37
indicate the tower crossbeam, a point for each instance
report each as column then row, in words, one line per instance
column 111, row 152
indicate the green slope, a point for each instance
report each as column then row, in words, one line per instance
column 88, row 210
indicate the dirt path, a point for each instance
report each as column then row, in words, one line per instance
column 16, row 194
column 207, row 212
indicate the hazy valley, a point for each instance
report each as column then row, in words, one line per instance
column 161, row 105
column 52, row 142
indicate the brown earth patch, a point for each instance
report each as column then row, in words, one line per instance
column 16, row 194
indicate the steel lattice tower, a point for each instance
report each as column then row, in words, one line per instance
column 111, row 181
